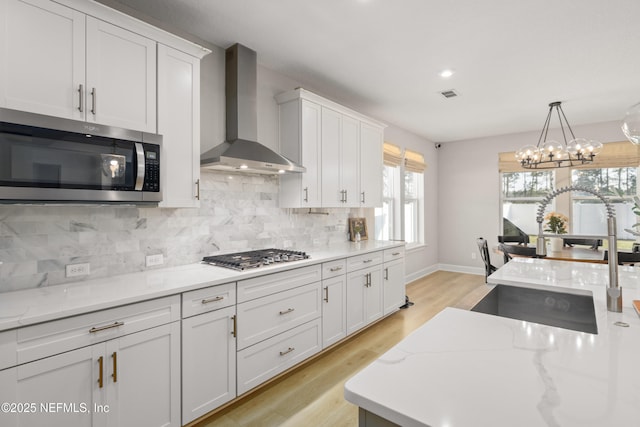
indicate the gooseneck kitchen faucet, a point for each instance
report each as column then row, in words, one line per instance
column 614, row 291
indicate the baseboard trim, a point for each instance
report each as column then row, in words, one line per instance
column 420, row 273
column 461, row 269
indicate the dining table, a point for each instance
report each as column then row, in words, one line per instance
column 578, row 254
column 575, row 253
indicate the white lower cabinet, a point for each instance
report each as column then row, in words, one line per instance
column 279, row 323
column 208, row 362
column 364, row 297
column 116, row 367
column 334, row 302
column 393, row 280
column 262, row 361
column 133, row 380
column 208, row 349
column 394, row 290
column 265, row 317
column 142, row 376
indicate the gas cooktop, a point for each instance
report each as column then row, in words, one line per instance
column 253, row 259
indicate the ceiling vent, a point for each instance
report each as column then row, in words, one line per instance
column 449, row 93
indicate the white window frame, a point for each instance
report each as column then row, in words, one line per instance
column 397, row 202
column 394, row 202
column 418, row 211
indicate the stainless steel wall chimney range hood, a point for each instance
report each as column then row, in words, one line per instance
column 240, row 151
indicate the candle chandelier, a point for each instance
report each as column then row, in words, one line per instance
column 549, row 154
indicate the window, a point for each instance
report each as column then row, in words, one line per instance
column 521, row 193
column 615, row 177
column 387, row 217
column 402, row 213
column 413, row 205
column 618, row 185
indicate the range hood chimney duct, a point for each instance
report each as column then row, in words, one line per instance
column 240, row 151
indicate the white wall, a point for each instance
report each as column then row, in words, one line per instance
column 468, row 200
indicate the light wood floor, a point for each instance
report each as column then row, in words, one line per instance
column 312, row 395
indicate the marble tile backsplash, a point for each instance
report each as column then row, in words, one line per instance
column 237, row 212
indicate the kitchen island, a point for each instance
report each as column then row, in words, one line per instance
column 464, row 368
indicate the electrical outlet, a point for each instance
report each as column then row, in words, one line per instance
column 73, row 270
column 473, row 255
column 157, row 259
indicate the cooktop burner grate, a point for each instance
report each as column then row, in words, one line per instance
column 253, row 259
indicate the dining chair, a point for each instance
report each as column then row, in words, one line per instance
column 510, row 250
column 625, row 258
column 484, row 254
column 593, row 243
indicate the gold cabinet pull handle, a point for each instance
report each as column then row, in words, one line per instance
column 338, row 268
column 287, row 351
column 100, row 376
column 326, row 294
column 102, row 328
column 114, row 375
column 234, row 332
column 214, row 299
column 287, row 311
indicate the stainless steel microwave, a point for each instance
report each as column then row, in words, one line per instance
column 47, row 159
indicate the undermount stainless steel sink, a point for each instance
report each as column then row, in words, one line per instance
column 552, row 308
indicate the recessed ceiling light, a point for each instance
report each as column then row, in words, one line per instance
column 446, row 73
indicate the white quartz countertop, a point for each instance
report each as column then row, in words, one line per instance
column 21, row 308
column 464, row 368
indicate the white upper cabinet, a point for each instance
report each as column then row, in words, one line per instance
column 371, row 139
column 121, row 77
column 63, row 63
column 42, row 58
column 179, row 125
column 300, row 122
column 341, row 149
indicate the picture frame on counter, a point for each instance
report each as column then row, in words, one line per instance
column 358, row 225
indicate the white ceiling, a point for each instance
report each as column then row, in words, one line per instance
column 511, row 57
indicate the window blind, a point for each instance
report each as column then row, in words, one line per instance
column 392, row 154
column 414, row 162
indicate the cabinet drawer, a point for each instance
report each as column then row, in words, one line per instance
column 46, row 339
column 8, row 349
column 270, row 284
column 208, row 299
column 363, row 261
column 263, row 318
column 258, row 363
column 393, row 253
column 334, row 268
